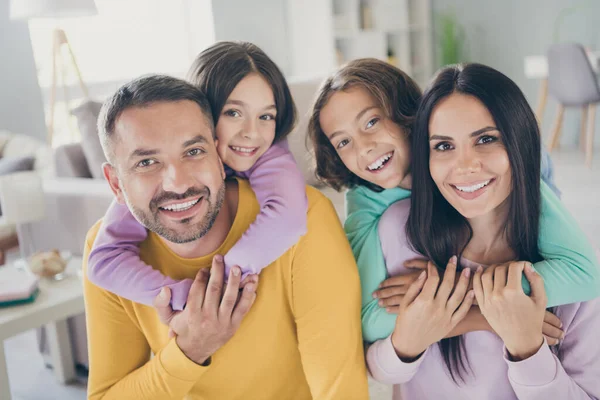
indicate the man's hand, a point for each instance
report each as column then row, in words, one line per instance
column 211, row 317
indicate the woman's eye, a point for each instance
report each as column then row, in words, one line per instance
column 442, row 146
column 267, row 117
column 486, row 139
column 342, row 143
column 146, row 163
column 232, row 113
column 195, row 152
column 372, row 122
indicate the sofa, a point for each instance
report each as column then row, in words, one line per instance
column 79, row 196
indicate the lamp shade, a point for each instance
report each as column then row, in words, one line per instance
column 27, row 9
column 22, row 197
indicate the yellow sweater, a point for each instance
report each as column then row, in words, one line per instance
column 300, row 340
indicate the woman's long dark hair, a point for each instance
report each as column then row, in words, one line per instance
column 435, row 228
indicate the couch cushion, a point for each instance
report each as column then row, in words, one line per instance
column 87, row 116
column 9, row 165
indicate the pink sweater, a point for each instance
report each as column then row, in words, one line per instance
column 573, row 374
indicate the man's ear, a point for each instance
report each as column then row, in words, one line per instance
column 110, row 174
column 223, row 174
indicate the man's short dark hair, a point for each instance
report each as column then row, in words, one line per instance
column 142, row 92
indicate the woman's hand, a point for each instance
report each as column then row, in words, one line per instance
column 428, row 313
column 517, row 318
column 392, row 290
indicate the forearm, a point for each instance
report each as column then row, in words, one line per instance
column 169, row 375
column 542, row 377
column 474, row 321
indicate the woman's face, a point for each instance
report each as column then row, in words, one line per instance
column 370, row 145
column 246, row 125
column 468, row 161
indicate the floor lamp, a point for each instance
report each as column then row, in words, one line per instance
column 30, row 9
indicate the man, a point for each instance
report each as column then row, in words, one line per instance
column 293, row 335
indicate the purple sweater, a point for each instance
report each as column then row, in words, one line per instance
column 114, row 263
column 573, row 374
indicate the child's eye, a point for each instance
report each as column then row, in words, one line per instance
column 232, row 113
column 372, row 122
column 442, row 146
column 195, row 152
column 487, row 139
column 342, row 143
column 267, row 117
column 146, row 163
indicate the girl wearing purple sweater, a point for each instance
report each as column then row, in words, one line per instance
column 253, row 112
column 476, row 156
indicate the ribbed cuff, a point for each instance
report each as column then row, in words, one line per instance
column 176, row 363
column 389, row 362
column 538, row 370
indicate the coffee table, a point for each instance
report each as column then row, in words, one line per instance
column 57, row 301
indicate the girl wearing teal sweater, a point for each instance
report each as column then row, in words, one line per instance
column 360, row 129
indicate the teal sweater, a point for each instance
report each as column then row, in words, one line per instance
column 570, row 268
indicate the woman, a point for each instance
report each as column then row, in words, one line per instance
column 360, row 129
column 476, row 158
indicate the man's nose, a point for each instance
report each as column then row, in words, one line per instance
column 176, row 179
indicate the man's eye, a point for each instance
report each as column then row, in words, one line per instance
column 195, row 152
column 146, row 163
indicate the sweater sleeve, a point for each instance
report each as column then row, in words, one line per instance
column 570, row 268
column 115, row 265
column 281, row 192
column 364, row 210
column 120, row 363
column 573, row 372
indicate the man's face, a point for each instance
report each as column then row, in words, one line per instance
column 167, row 170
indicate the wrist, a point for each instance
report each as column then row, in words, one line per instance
column 405, row 352
column 192, row 352
column 523, row 352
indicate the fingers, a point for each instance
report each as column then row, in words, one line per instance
column 171, row 333
column 487, row 280
column 478, row 286
column 390, row 291
column 162, row 304
column 448, row 281
column 391, row 301
column 461, row 289
column 195, row 298
column 400, row 280
column 552, row 333
column 464, row 308
column 431, row 284
column 416, row 264
column 215, row 285
column 515, row 275
column 393, row 310
column 414, row 289
column 244, row 304
column 538, row 293
column 552, row 319
column 231, row 293
column 500, row 278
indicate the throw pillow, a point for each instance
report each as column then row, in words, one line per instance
column 15, row 164
column 87, row 117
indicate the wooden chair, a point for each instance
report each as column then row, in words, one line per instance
column 571, row 81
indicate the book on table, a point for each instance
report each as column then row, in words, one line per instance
column 17, row 287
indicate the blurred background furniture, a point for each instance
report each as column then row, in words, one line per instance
column 573, row 83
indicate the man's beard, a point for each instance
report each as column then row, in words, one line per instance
column 151, row 218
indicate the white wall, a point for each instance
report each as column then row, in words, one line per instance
column 21, row 107
column 502, row 33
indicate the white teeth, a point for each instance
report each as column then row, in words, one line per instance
column 471, row 189
column 243, row 149
column 182, row 206
column 379, row 162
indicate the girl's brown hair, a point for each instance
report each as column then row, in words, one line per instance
column 218, row 70
column 395, row 92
